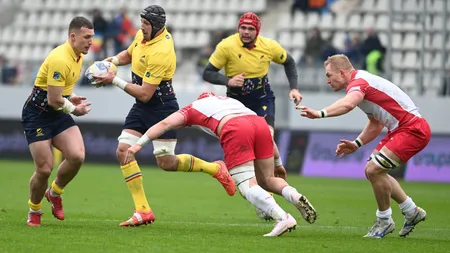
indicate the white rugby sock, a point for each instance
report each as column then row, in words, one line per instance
column 384, row 214
column 408, row 207
column 264, row 201
column 290, row 194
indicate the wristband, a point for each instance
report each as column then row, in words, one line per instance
column 115, row 60
column 323, row 113
column 67, row 107
column 119, row 83
column 143, row 140
column 358, row 142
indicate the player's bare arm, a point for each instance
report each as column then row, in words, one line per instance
column 291, row 73
column 368, row 134
column 122, row 58
column 58, row 102
column 54, row 96
column 338, row 108
column 143, row 93
column 174, row 121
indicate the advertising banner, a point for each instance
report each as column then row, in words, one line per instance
column 320, row 159
column 308, row 153
column 13, row 144
column 433, row 163
column 100, row 140
column 292, row 147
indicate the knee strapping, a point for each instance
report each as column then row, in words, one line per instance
column 162, row 148
column 241, row 176
column 383, row 161
column 128, row 138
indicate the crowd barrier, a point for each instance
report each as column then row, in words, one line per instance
column 309, row 153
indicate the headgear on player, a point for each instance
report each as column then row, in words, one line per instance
column 206, row 94
column 250, row 18
column 156, row 15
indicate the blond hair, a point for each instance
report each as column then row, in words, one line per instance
column 338, row 62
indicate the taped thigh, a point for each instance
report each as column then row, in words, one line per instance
column 241, row 176
column 163, row 148
column 383, row 161
column 128, row 138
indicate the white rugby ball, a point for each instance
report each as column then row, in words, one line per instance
column 99, row 68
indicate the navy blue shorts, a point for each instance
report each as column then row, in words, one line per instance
column 257, row 96
column 40, row 121
column 143, row 116
column 264, row 107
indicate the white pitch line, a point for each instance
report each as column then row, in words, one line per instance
column 268, row 224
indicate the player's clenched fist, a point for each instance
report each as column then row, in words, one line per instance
column 237, row 81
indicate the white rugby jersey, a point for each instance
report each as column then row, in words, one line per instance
column 206, row 113
column 383, row 100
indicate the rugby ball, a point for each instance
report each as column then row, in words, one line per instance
column 99, row 68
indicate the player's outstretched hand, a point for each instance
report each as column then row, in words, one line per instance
column 345, row 147
column 82, row 109
column 237, row 81
column 76, row 100
column 104, row 79
column 308, row 112
column 131, row 152
column 295, row 96
column 280, row 171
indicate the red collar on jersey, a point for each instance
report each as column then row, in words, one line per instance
column 206, row 94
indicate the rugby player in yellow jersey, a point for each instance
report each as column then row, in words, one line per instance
column 46, row 120
column 246, row 57
column 153, row 62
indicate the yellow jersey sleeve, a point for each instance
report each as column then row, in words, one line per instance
column 278, row 52
column 156, row 69
column 57, row 72
column 219, row 57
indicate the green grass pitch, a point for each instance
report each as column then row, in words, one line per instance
column 194, row 214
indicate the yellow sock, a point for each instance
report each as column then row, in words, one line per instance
column 34, row 207
column 190, row 163
column 133, row 177
column 56, row 189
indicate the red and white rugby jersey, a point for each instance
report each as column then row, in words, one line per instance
column 383, row 100
column 206, row 113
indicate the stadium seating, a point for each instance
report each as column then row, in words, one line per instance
column 407, row 33
column 41, row 24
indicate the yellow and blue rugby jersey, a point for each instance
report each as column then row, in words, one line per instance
column 231, row 54
column 155, row 60
column 60, row 68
